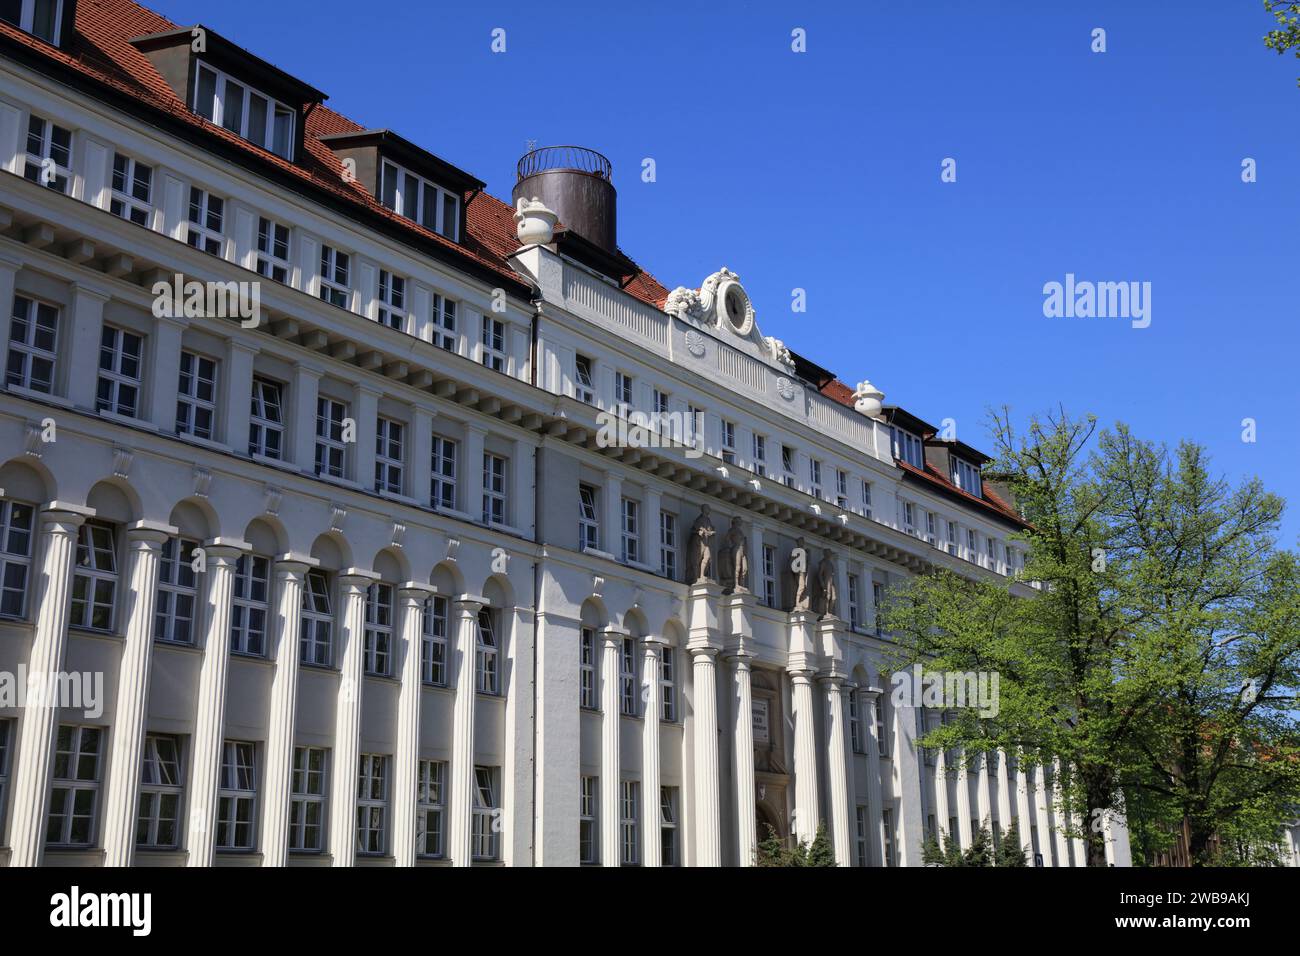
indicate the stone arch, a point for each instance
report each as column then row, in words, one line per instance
column 27, row 479
column 267, row 536
column 332, row 551
column 447, row 579
column 392, row 566
column 500, row 593
column 634, row 622
column 673, row 633
column 195, row 519
column 115, row 500
column 593, row 613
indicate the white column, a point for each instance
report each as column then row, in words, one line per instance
column 1024, row 805
column 210, row 708
column 144, row 543
column 743, row 758
column 460, row 795
column 651, row 845
column 38, row 725
column 1044, row 820
column 910, row 825
column 349, row 650
column 708, row 811
column 1059, row 816
column 290, row 575
column 609, row 756
column 837, row 764
column 1004, row 794
column 983, row 794
column 807, row 813
column 941, row 811
column 963, row 801
column 867, row 698
column 413, row 596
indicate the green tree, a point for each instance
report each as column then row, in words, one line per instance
column 983, row 851
column 1009, row 850
column 1286, row 36
column 773, row 851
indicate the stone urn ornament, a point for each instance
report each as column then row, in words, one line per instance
column 534, row 223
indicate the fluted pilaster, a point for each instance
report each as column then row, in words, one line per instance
column 807, row 813
column 651, row 845
column 875, row 810
column 461, row 772
column 837, row 765
column 743, row 759
column 406, row 759
column 350, row 652
column 708, row 808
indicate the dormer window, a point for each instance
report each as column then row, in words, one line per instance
column 243, row 110
column 419, row 200
column 966, row 477
column 907, row 447
column 43, row 19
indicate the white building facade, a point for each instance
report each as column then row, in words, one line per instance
column 357, row 574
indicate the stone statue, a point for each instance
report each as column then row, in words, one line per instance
column 699, row 553
column 733, row 559
column 799, row 571
column 827, row 600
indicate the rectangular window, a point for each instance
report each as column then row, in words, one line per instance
column 815, row 477
column 887, row 822
column 966, row 477
column 419, row 200
column 33, row 345
column 335, row 281
column 860, row 818
column 623, row 393
column 878, row 605
column 392, row 300
column 588, row 520
column 990, row 553
column 332, row 434
column 878, row 712
column 769, row 575
column 583, row 388
column 433, row 652
column 866, row 499
column 631, row 531
column 694, row 426
column 273, row 250
column 628, row 821
column 787, row 466
column 855, row 602
column 4, row 767
column 250, row 605
column 157, row 823
column 487, row 658
column 972, row 545
column 444, row 322
column 668, row 684
column 43, row 19
column 931, row 533
column 668, row 852
column 660, row 405
column 728, row 442
column 307, row 803
column 74, row 796
column 483, row 836
column 49, row 154
column 668, row 545
column 196, row 396
column 629, row 694
column 237, row 797
column 494, row 489
column 244, row 111
column 760, row 455
column 16, row 521
column 430, row 805
column 132, row 190
column 173, row 618
column 442, row 475
column 587, row 670
column 842, row 488
column 118, row 389
column 907, row 447
column 372, row 804
column 379, row 629
column 494, row 344
column 205, row 225
column 389, row 456
column 855, row 722
column 317, row 624
column 266, row 419
column 909, row 517
column 588, row 832
column 94, row 581
column 952, row 538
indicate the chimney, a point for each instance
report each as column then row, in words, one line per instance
column 575, row 183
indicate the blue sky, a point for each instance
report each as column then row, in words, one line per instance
column 821, row 171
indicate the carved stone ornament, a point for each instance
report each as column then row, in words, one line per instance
column 785, row 388
column 695, row 343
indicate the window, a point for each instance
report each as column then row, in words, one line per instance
column 623, row 391
column 392, row 300
column 33, row 345
column 173, row 618
column 75, row 792
column 668, row 684
column 842, row 488
column 430, row 804
column 866, row 499
column 760, row 455
column 878, row 604
column 972, row 545
column 855, row 722
column 372, row 804
column 335, row 285
column 206, row 223
column 494, row 489
column 628, row 691
column 583, row 389
column 236, row 797
column 966, row 477
column 990, row 553
column 668, row 852
column 249, row 605
column 631, row 531
column 444, row 322
column 132, row 189
column 861, row 846
column 668, row 545
column 695, row 425
column 273, row 250
column 196, row 396
column 379, row 629
column 389, row 437
column 41, row 18
column 588, row 833
column 728, row 442
column 244, row 111
column 769, row 575
column 930, row 533
column 660, row 399
column 4, row 767
column 317, row 626
column 630, row 799
column 855, row 602
column 15, row 565
column 887, row 824
column 494, row 344
column 907, row 447
column 442, row 475
column 49, row 154
column 266, row 420
column 94, row 581
column 787, row 466
column 878, row 712
column 307, row 803
column 952, row 538
column 332, row 434
column 118, row 390
column 433, row 651
column 909, row 517
column 587, row 670
column 487, row 660
column 419, row 200
column 588, row 522
column 483, row 835
column 815, row 477
column 157, row 823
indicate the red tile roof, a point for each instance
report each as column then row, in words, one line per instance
column 990, row 502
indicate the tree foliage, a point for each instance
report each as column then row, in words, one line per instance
column 773, row 851
column 1286, row 36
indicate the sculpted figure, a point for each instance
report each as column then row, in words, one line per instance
column 799, row 571
column 699, row 553
column 733, row 560
column 827, row 589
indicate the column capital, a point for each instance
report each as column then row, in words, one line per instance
column 468, row 605
column 230, row 548
column 612, row 634
column 291, row 562
column 358, row 578
column 740, row 656
column 65, row 512
column 416, row 592
column 834, row 680
column 654, row 641
column 801, row 674
column 702, row 650
column 150, row 533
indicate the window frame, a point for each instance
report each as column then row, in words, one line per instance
column 442, row 474
column 629, row 690
column 379, row 630
column 39, row 319
column 201, row 233
column 431, row 809
column 245, row 606
column 371, row 822
column 334, row 275
column 238, row 766
column 270, row 263
column 390, row 456
column 221, row 100
column 630, row 522
column 484, row 841
column 317, row 590
column 178, row 587
column 401, row 178
column 125, row 201
column 47, row 147
column 588, row 518
column 629, row 823
column 668, row 684
column 260, row 425
column 308, row 788
column 433, row 645
column 584, row 388
column 27, row 20
column 668, row 545
column 125, row 389
column 94, row 575
column 492, row 344
column 443, row 322
column 191, row 383
column 11, row 558
column 588, row 820
column 166, row 784
column 487, row 654
column 588, row 655
column 331, row 458
column 67, row 787
column 391, row 301
column 495, row 495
